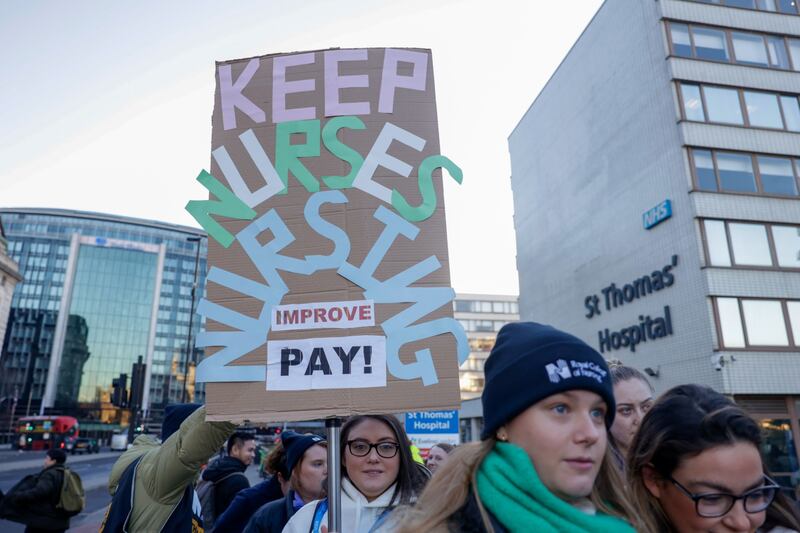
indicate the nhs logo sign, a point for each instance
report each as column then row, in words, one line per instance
column 658, row 214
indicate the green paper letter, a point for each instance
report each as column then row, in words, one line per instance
column 228, row 205
column 428, row 205
column 287, row 154
column 341, row 150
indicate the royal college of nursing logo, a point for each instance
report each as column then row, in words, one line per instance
column 561, row 369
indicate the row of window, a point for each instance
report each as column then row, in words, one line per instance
column 482, row 306
column 720, row 170
column 734, row 46
column 482, row 325
column 740, row 107
column 789, row 7
column 751, row 323
column 732, row 244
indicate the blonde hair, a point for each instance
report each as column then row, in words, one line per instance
column 449, row 489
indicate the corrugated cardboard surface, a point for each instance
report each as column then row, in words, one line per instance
column 414, row 111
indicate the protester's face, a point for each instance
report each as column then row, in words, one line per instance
column 245, row 452
column 732, row 469
column 436, row 457
column 313, row 470
column 634, row 399
column 565, row 437
column 372, row 474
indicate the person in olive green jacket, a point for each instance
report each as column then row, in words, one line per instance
column 159, row 479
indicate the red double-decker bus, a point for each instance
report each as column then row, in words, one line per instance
column 46, row 432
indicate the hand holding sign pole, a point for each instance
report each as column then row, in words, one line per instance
column 328, row 289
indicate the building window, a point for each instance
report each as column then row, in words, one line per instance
column 750, row 244
column 715, row 44
column 752, row 109
column 754, row 323
column 788, row 7
column 739, row 172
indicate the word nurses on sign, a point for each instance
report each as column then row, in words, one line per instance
column 327, row 363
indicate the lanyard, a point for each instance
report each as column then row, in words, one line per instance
column 322, row 508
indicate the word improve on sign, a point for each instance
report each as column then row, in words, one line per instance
column 325, row 212
column 323, row 315
column 648, row 328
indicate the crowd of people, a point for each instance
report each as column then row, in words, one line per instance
column 570, row 443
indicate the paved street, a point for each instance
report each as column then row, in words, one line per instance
column 94, row 470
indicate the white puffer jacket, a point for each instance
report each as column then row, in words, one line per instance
column 358, row 514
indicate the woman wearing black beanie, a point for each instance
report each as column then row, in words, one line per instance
column 544, row 463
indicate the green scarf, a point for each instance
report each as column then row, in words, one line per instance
column 512, row 491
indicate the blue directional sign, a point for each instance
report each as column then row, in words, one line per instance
column 432, row 422
column 658, row 214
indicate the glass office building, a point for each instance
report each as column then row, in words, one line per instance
column 100, row 292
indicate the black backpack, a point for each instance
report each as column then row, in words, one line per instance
column 206, row 492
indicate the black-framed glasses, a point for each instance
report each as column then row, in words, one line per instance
column 716, row 504
column 361, row 448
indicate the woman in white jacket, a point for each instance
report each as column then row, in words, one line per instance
column 378, row 475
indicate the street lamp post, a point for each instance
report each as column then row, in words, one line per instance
column 191, row 316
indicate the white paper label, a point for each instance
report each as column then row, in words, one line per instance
column 327, row 363
column 322, row 315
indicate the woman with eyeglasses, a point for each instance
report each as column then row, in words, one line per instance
column 694, row 465
column 378, row 475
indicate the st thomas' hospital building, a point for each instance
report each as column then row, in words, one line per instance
column 655, row 182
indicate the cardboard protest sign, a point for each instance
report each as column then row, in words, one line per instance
column 328, row 291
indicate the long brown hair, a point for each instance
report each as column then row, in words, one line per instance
column 294, row 477
column 410, row 479
column 450, row 487
column 684, row 422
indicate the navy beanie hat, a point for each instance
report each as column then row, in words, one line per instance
column 296, row 445
column 174, row 415
column 530, row 362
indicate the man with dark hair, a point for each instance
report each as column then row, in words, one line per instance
column 227, row 474
column 34, row 500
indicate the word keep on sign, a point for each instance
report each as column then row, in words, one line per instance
column 327, row 363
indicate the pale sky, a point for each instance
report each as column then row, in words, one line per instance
column 106, row 106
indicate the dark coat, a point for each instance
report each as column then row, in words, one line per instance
column 272, row 517
column 246, row 503
column 468, row 519
column 226, row 489
column 33, row 500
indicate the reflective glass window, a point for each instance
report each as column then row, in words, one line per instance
column 704, row 170
column 777, row 175
column 749, row 48
column 730, row 321
column 763, row 110
column 787, row 6
column 764, row 322
column 791, row 112
column 750, row 244
column 794, row 52
column 778, row 447
column 778, row 56
column 747, row 4
column 681, row 44
column 794, row 320
column 787, row 248
column 717, row 241
column 692, row 103
column 723, row 105
column 736, row 172
column 710, row 44
column 766, row 5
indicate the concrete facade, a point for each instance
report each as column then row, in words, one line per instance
column 9, row 277
column 604, row 142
